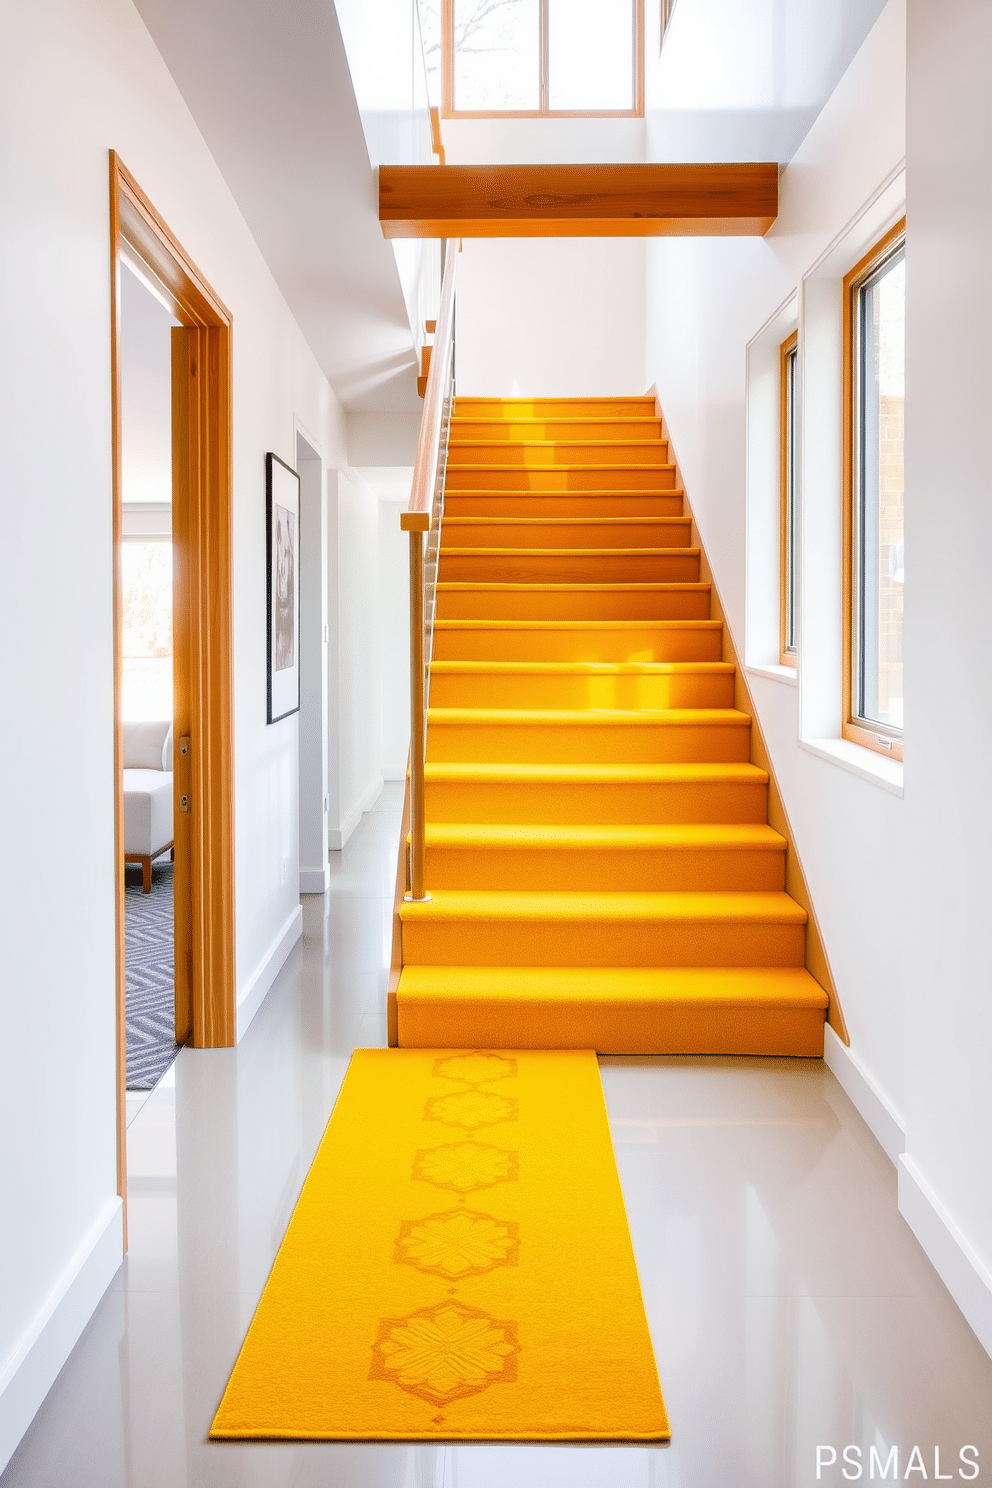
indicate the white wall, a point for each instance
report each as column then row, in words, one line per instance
column 352, row 594
column 559, row 317
column 550, row 317
column 394, row 611
column 75, row 80
column 948, row 1097
column 900, row 882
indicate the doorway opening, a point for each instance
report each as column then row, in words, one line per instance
column 147, row 685
column 202, row 695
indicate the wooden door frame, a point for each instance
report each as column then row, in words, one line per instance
column 206, row 996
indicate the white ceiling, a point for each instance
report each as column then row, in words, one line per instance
column 270, row 90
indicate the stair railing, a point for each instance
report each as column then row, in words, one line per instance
column 421, row 519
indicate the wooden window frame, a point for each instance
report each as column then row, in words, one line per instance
column 448, row 110
column 877, row 737
column 788, row 452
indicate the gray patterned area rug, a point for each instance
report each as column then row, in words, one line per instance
column 149, row 976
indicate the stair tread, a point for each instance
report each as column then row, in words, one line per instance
column 781, row 986
column 623, row 420
column 584, row 668
column 517, row 468
column 477, row 493
column 478, row 586
column 593, row 717
column 739, row 906
column 544, row 443
column 595, row 774
column 616, row 626
column 496, row 521
column 451, row 552
column 634, row 837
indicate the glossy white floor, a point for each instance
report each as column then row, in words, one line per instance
column 789, row 1304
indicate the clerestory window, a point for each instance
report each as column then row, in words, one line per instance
column 535, row 58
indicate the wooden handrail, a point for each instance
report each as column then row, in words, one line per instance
column 423, row 515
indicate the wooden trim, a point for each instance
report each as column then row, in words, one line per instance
column 203, row 565
column 448, row 110
column 417, row 517
column 787, row 657
column 117, row 603
column 521, row 201
column 203, row 553
column 437, row 144
column 817, row 962
column 639, row 60
column 447, row 59
column 878, row 739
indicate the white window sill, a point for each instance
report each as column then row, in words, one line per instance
column 785, row 674
column 860, row 761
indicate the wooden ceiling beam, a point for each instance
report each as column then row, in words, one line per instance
column 577, row 201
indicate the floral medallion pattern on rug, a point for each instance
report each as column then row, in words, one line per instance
column 466, row 1167
column 459, row 1243
column 450, row 1351
column 471, row 1108
column 446, row 1352
column 477, row 1068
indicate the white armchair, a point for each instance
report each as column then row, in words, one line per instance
column 147, row 795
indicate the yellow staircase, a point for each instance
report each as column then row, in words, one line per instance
column 601, row 869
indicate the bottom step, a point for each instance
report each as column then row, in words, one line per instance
column 625, row 1010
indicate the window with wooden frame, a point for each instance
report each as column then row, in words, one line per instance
column 874, row 403
column 788, row 436
column 536, row 58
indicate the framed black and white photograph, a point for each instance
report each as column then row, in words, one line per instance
column 282, row 503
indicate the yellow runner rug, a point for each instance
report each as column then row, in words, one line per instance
column 458, row 1265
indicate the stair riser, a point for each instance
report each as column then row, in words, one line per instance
column 476, row 503
column 518, row 408
column 555, row 568
column 540, row 455
column 524, row 942
column 646, row 870
column 591, row 478
column 578, row 805
column 584, row 744
column 585, row 644
column 660, row 1028
column 529, row 534
column 509, row 431
column 516, row 690
column 534, row 603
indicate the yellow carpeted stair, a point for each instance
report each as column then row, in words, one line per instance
column 601, row 869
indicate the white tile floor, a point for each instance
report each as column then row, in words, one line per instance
column 789, row 1304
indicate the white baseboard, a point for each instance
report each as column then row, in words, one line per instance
column 337, row 837
column 962, row 1271
column 872, row 1104
column 315, row 880
column 31, row 1371
column 271, row 964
